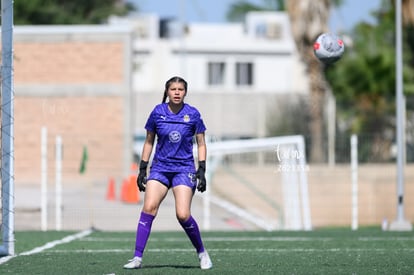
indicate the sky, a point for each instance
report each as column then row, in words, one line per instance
column 213, row 11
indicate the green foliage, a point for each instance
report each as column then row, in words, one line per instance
column 238, row 9
column 364, row 82
column 368, row 67
column 52, row 12
column 409, row 57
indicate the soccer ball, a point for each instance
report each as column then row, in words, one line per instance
column 328, row 48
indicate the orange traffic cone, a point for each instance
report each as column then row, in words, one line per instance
column 124, row 191
column 133, row 189
column 110, row 193
column 130, row 193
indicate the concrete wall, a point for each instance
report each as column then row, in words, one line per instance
column 258, row 190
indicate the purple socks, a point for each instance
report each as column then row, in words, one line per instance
column 191, row 228
column 143, row 232
column 144, row 229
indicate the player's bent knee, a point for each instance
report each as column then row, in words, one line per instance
column 183, row 217
column 150, row 210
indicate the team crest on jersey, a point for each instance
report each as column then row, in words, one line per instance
column 186, row 118
column 174, row 136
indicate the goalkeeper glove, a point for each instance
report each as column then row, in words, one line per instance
column 142, row 176
column 200, row 175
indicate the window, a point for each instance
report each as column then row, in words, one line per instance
column 244, row 74
column 216, row 72
column 274, row 31
column 268, row 30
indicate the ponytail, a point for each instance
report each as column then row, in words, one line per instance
column 164, row 97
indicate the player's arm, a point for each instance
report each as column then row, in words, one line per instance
column 148, row 144
column 145, row 156
column 201, row 147
column 202, row 154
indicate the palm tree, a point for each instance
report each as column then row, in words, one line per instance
column 408, row 11
column 408, row 20
column 308, row 18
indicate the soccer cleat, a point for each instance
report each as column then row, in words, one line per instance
column 205, row 262
column 136, row 262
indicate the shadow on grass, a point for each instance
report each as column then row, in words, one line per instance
column 187, row 267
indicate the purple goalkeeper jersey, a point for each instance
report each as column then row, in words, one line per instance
column 175, row 133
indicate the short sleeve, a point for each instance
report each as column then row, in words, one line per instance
column 200, row 126
column 150, row 125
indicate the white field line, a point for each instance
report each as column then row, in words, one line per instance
column 251, row 239
column 375, row 239
column 83, row 234
column 246, row 250
column 49, row 245
column 215, row 239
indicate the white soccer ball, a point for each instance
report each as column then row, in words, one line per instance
column 328, row 48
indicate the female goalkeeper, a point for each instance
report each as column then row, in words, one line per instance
column 174, row 124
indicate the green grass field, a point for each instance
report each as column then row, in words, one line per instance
column 322, row 251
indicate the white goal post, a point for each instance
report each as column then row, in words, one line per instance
column 7, row 133
column 290, row 153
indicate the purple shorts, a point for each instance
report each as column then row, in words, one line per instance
column 172, row 179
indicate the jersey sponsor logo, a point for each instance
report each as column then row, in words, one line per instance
column 174, row 136
column 186, row 118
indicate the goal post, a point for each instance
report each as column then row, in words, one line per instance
column 288, row 168
column 7, row 130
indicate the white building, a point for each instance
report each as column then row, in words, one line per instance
column 256, row 59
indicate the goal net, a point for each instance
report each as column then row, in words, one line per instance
column 261, row 182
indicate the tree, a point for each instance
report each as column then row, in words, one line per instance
column 308, row 18
column 408, row 11
column 408, row 20
column 238, row 9
column 50, row 12
column 364, row 82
